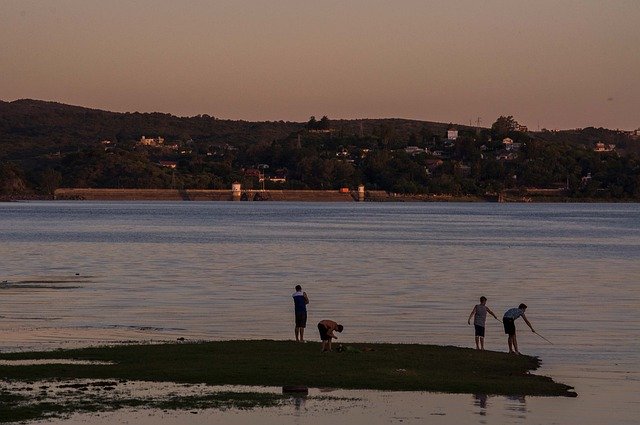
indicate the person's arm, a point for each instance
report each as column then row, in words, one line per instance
column 331, row 334
column 491, row 313
column 471, row 315
column 528, row 324
column 306, row 299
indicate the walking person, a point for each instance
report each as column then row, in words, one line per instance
column 479, row 314
column 300, row 301
column 326, row 328
column 508, row 320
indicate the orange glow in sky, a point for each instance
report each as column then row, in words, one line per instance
column 550, row 64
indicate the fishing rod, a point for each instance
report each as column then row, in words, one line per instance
column 543, row 338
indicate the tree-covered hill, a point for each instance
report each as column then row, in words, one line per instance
column 49, row 126
column 46, row 145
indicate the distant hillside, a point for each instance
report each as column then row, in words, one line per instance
column 35, row 125
column 48, row 145
column 48, row 126
column 589, row 136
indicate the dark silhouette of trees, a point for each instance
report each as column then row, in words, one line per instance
column 44, row 146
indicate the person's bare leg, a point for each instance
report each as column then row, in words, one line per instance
column 515, row 344
column 510, row 342
column 297, row 333
column 481, row 342
column 477, row 342
column 301, row 334
column 329, row 345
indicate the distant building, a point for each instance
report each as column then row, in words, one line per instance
column 169, row 164
column 280, row 176
column 108, row 145
column 414, row 150
column 158, row 141
column 510, row 145
column 601, row 147
column 252, row 172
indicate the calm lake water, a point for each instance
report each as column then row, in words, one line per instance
column 80, row 273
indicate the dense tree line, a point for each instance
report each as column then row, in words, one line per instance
column 61, row 146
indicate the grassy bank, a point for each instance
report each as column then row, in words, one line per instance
column 280, row 363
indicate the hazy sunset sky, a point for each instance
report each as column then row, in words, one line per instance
column 550, row 64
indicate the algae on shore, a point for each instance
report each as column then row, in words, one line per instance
column 391, row 367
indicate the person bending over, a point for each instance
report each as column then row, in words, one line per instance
column 327, row 328
column 508, row 320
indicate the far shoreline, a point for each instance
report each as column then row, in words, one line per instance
column 284, row 195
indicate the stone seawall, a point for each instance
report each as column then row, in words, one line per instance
column 202, row 195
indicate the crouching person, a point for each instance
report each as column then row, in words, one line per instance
column 327, row 329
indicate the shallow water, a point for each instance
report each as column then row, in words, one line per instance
column 93, row 272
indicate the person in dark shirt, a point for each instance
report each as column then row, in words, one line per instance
column 326, row 328
column 510, row 328
column 300, row 301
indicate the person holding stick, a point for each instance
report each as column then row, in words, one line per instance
column 479, row 314
column 508, row 320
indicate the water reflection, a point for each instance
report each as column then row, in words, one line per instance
column 299, row 402
column 356, row 408
column 480, row 400
column 517, row 406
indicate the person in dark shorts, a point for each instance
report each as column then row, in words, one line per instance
column 508, row 320
column 479, row 314
column 326, row 328
column 300, row 301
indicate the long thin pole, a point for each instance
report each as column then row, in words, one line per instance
column 543, row 337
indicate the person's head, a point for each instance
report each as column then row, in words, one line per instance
column 339, row 328
column 483, row 299
column 522, row 307
column 298, row 288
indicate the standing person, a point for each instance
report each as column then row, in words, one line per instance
column 508, row 320
column 300, row 301
column 326, row 328
column 479, row 314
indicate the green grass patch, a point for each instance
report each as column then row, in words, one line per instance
column 392, row 367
